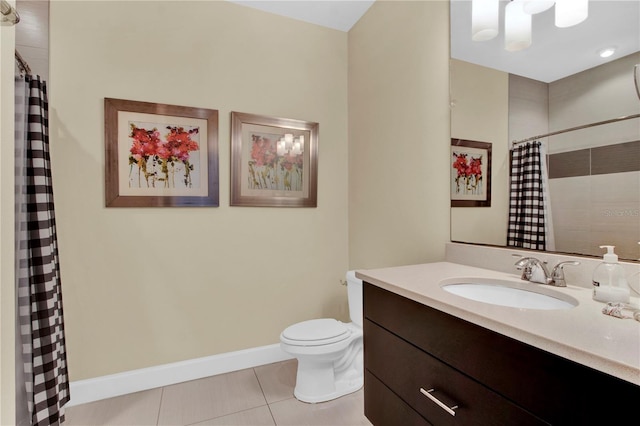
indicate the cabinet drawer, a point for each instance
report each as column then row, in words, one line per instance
column 406, row 370
column 384, row 408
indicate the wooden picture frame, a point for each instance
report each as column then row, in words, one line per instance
column 268, row 168
column 470, row 173
column 159, row 155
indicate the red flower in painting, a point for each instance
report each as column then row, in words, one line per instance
column 289, row 160
column 263, row 151
column 475, row 167
column 145, row 142
column 460, row 164
column 178, row 144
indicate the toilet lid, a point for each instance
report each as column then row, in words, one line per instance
column 317, row 331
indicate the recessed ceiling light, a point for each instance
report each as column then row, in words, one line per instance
column 605, row 53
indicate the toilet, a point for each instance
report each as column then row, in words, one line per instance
column 329, row 352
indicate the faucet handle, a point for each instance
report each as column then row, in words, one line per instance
column 557, row 275
column 523, row 264
column 533, row 269
column 522, row 261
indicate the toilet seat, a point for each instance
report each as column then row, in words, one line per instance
column 315, row 332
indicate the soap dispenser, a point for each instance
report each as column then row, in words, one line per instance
column 609, row 282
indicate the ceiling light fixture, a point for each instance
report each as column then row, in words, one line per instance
column 484, row 19
column 571, row 12
column 533, row 7
column 517, row 19
column 517, row 27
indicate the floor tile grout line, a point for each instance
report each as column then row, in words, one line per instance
column 225, row 415
column 234, row 412
column 160, row 406
column 255, row 373
column 271, row 414
column 264, row 396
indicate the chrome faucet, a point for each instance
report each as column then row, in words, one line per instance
column 535, row 270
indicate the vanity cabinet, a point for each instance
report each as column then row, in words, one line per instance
column 413, row 352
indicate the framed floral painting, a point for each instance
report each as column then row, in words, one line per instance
column 470, row 173
column 274, row 161
column 159, row 155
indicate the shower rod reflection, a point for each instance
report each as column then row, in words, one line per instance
column 584, row 126
column 22, row 64
column 9, row 14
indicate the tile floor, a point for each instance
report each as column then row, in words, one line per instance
column 252, row 397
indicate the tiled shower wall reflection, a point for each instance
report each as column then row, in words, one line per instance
column 595, row 199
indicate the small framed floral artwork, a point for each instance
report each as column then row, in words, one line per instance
column 159, row 155
column 274, row 161
column 470, row 173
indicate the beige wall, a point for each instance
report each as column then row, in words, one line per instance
column 479, row 112
column 7, row 298
column 528, row 107
column 399, row 134
column 144, row 287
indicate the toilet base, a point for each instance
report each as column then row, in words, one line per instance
column 342, row 388
column 322, row 381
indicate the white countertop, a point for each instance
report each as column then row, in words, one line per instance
column 582, row 334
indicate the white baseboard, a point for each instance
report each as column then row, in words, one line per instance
column 89, row 390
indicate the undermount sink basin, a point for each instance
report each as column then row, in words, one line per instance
column 508, row 293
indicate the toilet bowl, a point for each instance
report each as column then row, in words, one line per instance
column 329, row 352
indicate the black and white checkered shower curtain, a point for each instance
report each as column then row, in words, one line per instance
column 39, row 293
column 526, row 198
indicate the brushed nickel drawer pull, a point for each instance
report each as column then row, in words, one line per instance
column 428, row 394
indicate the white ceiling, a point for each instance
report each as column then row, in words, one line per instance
column 555, row 52
column 337, row 14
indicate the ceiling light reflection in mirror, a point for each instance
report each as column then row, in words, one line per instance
column 518, row 19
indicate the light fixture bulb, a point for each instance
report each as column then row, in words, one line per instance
column 605, row 53
column 571, row 12
column 517, row 27
column 533, row 7
column 484, row 19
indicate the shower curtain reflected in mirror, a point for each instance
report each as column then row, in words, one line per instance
column 530, row 223
column 43, row 382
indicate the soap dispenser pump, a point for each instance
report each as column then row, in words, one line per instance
column 609, row 282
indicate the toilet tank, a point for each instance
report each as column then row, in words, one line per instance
column 354, row 294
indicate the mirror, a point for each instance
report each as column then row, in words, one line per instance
column 594, row 173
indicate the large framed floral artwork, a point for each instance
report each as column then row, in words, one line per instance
column 274, row 161
column 159, row 155
column 470, row 173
